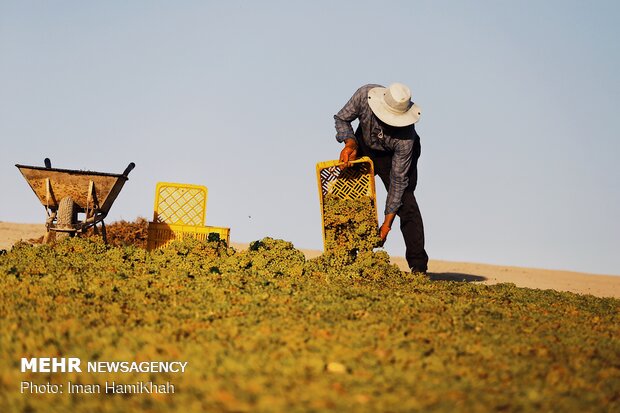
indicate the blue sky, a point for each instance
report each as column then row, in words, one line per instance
column 519, row 134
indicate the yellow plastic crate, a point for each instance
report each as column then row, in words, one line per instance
column 180, row 204
column 356, row 181
column 160, row 235
column 180, row 211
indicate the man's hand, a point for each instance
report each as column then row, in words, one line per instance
column 385, row 228
column 383, row 232
column 349, row 152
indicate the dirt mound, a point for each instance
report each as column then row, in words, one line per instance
column 119, row 233
column 125, row 233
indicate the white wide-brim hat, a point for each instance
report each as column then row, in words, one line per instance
column 393, row 105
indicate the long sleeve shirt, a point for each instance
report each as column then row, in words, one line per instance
column 376, row 136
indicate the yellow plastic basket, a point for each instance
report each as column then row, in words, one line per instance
column 161, row 235
column 356, row 181
column 180, row 211
column 180, row 204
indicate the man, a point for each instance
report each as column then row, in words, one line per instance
column 386, row 134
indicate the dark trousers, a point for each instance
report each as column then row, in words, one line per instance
column 409, row 213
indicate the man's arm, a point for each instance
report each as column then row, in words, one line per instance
column 344, row 130
column 349, row 112
column 399, row 180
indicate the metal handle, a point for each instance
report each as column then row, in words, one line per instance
column 129, row 169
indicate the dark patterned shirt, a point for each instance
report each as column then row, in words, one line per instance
column 377, row 136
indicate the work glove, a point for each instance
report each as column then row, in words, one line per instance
column 348, row 153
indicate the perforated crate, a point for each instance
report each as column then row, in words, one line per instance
column 353, row 182
column 179, row 212
column 161, row 235
column 180, row 204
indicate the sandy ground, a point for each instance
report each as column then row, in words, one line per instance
column 581, row 283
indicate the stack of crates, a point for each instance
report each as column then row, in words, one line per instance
column 180, row 211
column 353, row 182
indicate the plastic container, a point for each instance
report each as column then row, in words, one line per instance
column 180, row 211
column 353, row 182
column 160, row 235
column 180, row 204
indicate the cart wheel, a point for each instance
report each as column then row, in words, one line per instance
column 67, row 216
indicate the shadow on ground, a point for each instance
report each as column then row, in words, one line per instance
column 454, row 276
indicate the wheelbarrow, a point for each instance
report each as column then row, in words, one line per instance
column 65, row 193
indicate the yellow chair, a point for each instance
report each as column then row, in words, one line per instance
column 180, row 211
